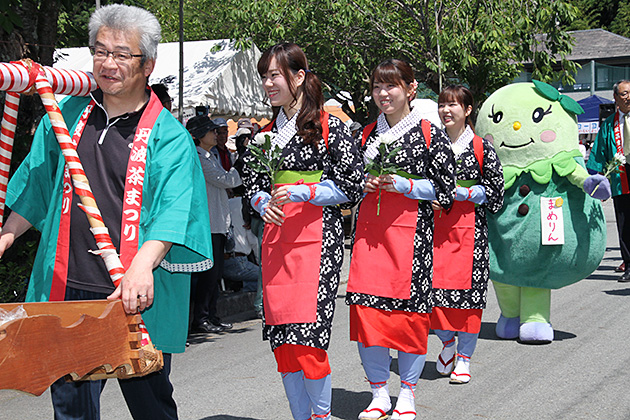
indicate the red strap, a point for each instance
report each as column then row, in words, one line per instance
column 367, row 131
column 478, row 149
column 325, row 128
column 623, row 176
column 426, row 131
column 268, row 127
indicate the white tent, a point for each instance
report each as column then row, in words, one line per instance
column 428, row 110
column 216, row 75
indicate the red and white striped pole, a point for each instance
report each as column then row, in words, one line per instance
column 106, row 248
column 7, row 135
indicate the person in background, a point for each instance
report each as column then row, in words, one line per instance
column 246, row 123
column 612, row 138
column 460, row 289
column 162, row 93
column 239, row 272
column 302, row 218
column 222, row 152
column 161, row 235
column 389, row 286
column 203, row 131
column 355, row 128
column 251, row 219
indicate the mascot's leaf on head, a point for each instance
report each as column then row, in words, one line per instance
column 549, row 233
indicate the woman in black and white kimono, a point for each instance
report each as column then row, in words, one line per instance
column 389, row 288
column 461, row 235
column 321, row 169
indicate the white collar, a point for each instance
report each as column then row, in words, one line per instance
column 411, row 120
column 403, row 126
column 287, row 128
column 462, row 141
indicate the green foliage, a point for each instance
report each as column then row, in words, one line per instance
column 620, row 24
column 9, row 20
column 268, row 158
column 480, row 43
column 383, row 163
column 72, row 28
column 593, row 14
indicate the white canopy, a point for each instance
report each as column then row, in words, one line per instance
column 215, row 74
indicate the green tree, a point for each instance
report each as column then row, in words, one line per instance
column 595, row 14
column 480, row 43
column 620, row 25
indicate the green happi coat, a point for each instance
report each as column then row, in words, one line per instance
column 174, row 209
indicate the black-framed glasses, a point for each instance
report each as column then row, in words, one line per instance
column 118, row 56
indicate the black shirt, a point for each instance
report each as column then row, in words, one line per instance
column 104, row 152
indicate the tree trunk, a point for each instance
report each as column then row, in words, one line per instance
column 47, row 30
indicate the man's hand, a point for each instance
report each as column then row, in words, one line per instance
column 136, row 287
column 15, row 226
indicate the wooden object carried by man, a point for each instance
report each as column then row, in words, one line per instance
column 82, row 340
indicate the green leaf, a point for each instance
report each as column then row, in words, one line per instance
column 569, row 104
column 546, row 90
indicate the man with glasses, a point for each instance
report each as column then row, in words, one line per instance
column 613, row 138
column 143, row 169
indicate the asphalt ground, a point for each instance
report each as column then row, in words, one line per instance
column 581, row 375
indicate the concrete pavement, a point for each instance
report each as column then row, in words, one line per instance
column 581, row 375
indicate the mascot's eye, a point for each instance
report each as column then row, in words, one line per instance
column 538, row 114
column 496, row 117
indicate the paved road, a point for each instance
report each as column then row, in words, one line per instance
column 581, row 375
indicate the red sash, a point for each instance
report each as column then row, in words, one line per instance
column 132, row 198
column 454, row 240
column 382, row 256
column 400, row 330
column 453, row 319
column 291, row 265
column 623, row 176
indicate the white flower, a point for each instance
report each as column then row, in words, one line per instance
column 385, row 139
column 260, row 138
column 620, row 158
column 457, row 149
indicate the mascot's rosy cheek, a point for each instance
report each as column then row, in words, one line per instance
column 548, row 136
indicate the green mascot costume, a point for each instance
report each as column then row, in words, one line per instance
column 549, row 233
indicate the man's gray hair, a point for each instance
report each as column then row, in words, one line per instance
column 616, row 85
column 120, row 17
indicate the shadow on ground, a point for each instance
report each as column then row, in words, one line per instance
column 198, row 338
column 618, row 292
column 348, row 404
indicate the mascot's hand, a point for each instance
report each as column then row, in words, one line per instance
column 598, row 187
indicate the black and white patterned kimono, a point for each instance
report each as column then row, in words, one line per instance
column 492, row 181
column 435, row 164
column 341, row 163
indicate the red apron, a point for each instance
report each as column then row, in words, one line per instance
column 454, row 237
column 291, row 257
column 453, row 246
column 382, row 256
